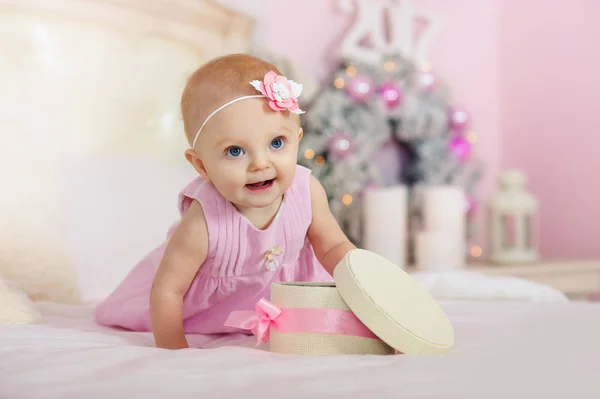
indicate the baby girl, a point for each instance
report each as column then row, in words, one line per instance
column 252, row 217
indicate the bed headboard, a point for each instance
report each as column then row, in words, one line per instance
column 89, row 78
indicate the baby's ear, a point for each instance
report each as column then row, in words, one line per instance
column 300, row 133
column 197, row 163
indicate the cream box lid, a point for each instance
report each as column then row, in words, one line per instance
column 392, row 304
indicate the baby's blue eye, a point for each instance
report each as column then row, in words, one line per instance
column 234, row 151
column 277, row 143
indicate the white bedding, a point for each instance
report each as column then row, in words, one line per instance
column 503, row 350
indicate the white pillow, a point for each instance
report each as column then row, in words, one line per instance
column 117, row 209
column 467, row 285
column 15, row 305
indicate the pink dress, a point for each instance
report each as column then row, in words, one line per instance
column 235, row 274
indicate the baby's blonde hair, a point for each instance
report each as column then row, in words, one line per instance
column 217, row 82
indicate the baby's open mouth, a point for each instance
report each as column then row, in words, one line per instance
column 261, row 184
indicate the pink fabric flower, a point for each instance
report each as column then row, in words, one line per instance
column 282, row 93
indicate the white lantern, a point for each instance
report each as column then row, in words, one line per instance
column 513, row 221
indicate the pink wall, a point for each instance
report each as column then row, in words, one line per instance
column 504, row 60
column 551, row 116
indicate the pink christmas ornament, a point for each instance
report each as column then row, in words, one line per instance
column 460, row 148
column 428, row 81
column 391, row 94
column 340, row 146
column 360, row 88
column 459, row 119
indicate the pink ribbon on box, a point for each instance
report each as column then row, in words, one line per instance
column 297, row 320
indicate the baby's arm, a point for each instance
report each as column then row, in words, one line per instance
column 327, row 238
column 184, row 254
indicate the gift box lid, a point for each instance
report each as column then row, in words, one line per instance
column 392, row 304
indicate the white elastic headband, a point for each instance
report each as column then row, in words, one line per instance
column 235, row 100
column 282, row 95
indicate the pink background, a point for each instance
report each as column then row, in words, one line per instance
column 527, row 70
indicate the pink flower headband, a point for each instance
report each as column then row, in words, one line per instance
column 282, row 95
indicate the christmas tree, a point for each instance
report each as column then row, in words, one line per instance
column 374, row 106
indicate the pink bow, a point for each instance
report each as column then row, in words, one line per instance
column 258, row 322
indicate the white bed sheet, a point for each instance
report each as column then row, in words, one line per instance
column 503, row 350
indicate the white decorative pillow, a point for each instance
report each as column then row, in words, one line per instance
column 15, row 306
column 467, row 285
column 32, row 256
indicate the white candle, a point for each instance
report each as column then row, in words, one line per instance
column 444, row 208
column 385, row 218
column 444, row 212
column 436, row 251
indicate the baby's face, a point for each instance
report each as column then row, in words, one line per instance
column 249, row 152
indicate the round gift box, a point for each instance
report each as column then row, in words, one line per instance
column 374, row 307
column 317, row 298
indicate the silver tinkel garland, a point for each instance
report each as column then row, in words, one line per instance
column 365, row 108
